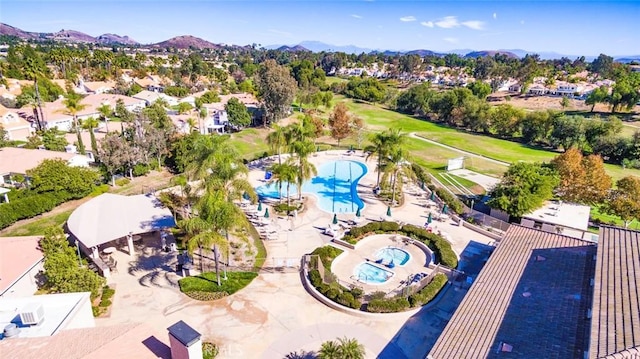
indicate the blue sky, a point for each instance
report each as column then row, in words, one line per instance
column 568, row 27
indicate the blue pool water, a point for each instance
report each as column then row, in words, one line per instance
column 371, row 274
column 398, row 256
column 335, row 186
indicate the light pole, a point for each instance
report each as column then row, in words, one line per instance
column 78, row 249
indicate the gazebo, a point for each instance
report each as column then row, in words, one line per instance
column 109, row 217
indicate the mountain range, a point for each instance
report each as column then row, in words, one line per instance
column 187, row 41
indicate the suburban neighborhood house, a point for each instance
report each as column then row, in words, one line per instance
column 15, row 160
column 149, row 97
column 20, row 262
column 18, row 129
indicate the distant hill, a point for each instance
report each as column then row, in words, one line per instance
column 72, row 36
column 296, row 48
column 187, row 41
column 491, row 53
column 115, row 39
column 317, row 46
column 628, row 59
column 14, row 31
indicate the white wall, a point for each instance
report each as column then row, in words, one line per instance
column 26, row 285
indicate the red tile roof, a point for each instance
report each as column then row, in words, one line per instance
column 17, row 256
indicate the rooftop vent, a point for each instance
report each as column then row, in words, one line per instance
column 32, row 314
column 11, row 331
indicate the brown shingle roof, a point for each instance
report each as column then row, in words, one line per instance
column 533, row 295
column 615, row 323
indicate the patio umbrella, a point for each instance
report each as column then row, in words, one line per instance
column 266, row 213
column 433, row 196
column 429, row 219
column 259, row 206
column 335, row 219
column 358, row 214
column 388, row 211
column 445, row 209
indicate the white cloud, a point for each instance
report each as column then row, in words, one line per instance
column 356, row 16
column 451, row 40
column 280, row 32
column 448, row 22
column 474, row 24
column 495, row 15
column 427, row 23
column 408, row 18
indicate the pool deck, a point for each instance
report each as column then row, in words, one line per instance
column 274, row 315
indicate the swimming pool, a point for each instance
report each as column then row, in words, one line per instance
column 399, row 256
column 371, row 274
column 335, row 186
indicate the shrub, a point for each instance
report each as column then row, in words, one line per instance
column 327, row 254
column 96, row 311
column 29, row 204
column 357, row 292
column 122, row 181
column 440, row 246
column 207, row 282
column 391, row 305
column 107, row 292
column 315, row 278
column 430, row 291
column 209, row 350
column 453, row 202
column 104, row 303
column 284, row 208
column 103, row 188
column 140, row 169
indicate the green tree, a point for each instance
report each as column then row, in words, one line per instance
column 184, row 107
column 480, row 89
column 396, row 168
column 306, row 170
column 284, row 173
column 565, row 102
column 344, row 348
column 105, row 111
column 4, row 140
column 277, row 89
column 599, row 95
column 381, row 145
column 367, row 89
column 603, row 66
column 90, row 125
column 624, row 200
column 55, row 175
column 61, row 268
column 53, row 140
column 34, row 69
column 523, row 188
column 238, row 114
column 277, row 141
column 73, row 106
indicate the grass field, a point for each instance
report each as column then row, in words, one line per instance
column 38, row 226
column 596, row 214
column 378, row 118
column 250, row 142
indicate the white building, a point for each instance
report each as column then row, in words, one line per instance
column 563, row 218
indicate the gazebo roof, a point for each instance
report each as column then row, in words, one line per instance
column 111, row 216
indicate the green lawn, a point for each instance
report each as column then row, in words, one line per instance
column 206, row 282
column 378, row 118
column 38, row 226
column 250, row 142
column 609, row 219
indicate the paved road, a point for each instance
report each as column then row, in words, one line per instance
column 471, row 154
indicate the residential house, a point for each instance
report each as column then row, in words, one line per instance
column 15, row 160
column 18, row 129
column 149, row 97
column 565, row 89
column 94, row 87
column 537, row 89
column 20, row 262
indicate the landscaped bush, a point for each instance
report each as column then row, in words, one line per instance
column 336, row 292
column 430, row 291
column 284, row 208
column 440, row 246
column 207, row 283
column 29, row 204
column 357, row 233
column 122, row 181
column 327, row 254
column 206, row 296
column 209, row 350
column 421, row 174
column 140, row 169
column 453, row 202
column 391, row 305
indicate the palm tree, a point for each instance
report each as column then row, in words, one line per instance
column 32, row 72
column 105, row 111
column 351, row 349
column 397, row 166
column 306, row 169
column 277, row 140
column 284, row 173
column 90, row 124
column 73, row 106
column 381, row 144
column 329, row 350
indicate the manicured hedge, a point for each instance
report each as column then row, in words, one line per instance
column 452, row 202
column 430, row 291
column 336, row 292
column 27, row 206
column 327, row 254
column 440, row 246
column 391, row 305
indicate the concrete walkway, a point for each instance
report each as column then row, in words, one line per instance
column 274, row 315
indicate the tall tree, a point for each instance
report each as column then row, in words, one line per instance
column 277, row 141
column 340, row 122
column 284, row 174
column 277, row 89
column 624, row 200
column 90, row 125
column 523, row 188
column 73, row 106
column 599, row 95
column 306, row 170
column 239, row 116
column 582, row 179
column 34, row 69
column 105, row 111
